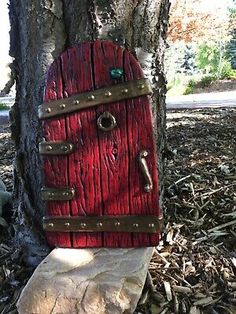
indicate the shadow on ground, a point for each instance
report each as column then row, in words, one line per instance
column 194, row 268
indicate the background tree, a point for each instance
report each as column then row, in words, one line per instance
column 40, row 31
column 199, row 44
column 190, row 22
column 231, row 47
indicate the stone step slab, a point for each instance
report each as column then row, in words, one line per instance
column 86, row 281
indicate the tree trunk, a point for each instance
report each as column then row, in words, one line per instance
column 40, row 31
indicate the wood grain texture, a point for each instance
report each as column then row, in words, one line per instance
column 113, row 145
column 54, row 168
column 84, row 163
column 141, row 137
column 103, row 169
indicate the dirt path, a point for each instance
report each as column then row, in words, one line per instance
column 201, row 101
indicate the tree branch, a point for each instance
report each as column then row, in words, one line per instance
column 10, row 83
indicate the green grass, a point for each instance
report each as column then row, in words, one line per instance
column 177, row 85
column 3, row 106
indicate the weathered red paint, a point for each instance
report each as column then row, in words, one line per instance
column 104, row 168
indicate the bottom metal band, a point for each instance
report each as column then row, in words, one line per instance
column 147, row 224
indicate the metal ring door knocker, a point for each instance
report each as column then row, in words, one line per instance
column 106, row 121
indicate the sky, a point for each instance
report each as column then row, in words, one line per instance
column 4, row 37
column 208, row 5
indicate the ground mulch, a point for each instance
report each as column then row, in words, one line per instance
column 193, row 270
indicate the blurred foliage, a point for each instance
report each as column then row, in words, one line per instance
column 3, row 106
column 191, row 22
column 231, row 45
column 205, row 81
column 212, row 58
column 202, row 46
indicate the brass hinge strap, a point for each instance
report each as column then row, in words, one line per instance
column 109, row 94
column 147, row 224
column 57, row 194
column 55, row 148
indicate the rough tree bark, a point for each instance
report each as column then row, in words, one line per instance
column 40, row 31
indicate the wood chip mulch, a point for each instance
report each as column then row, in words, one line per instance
column 193, row 270
column 13, row 273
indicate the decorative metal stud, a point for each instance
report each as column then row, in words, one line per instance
column 91, row 97
column 62, row 106
column 75, row 102
column 50, row 194
column 135, row 225
column 51, row 225
column 64, row 148
column 108, row 94
column 125, row 91
column 99, row 224
column 117, row 224
column 151, row 225
column 67, row 224
column 83, row 225
column 142, row 86
column 49, row 148
column 65, row 193
column 48, row 110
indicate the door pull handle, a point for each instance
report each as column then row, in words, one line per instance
column 148, row 187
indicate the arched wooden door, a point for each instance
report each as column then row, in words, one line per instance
column 100, row 169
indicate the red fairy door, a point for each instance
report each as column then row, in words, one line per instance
column 100, row 169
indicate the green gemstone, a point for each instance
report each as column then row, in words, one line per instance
column 116, row 73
